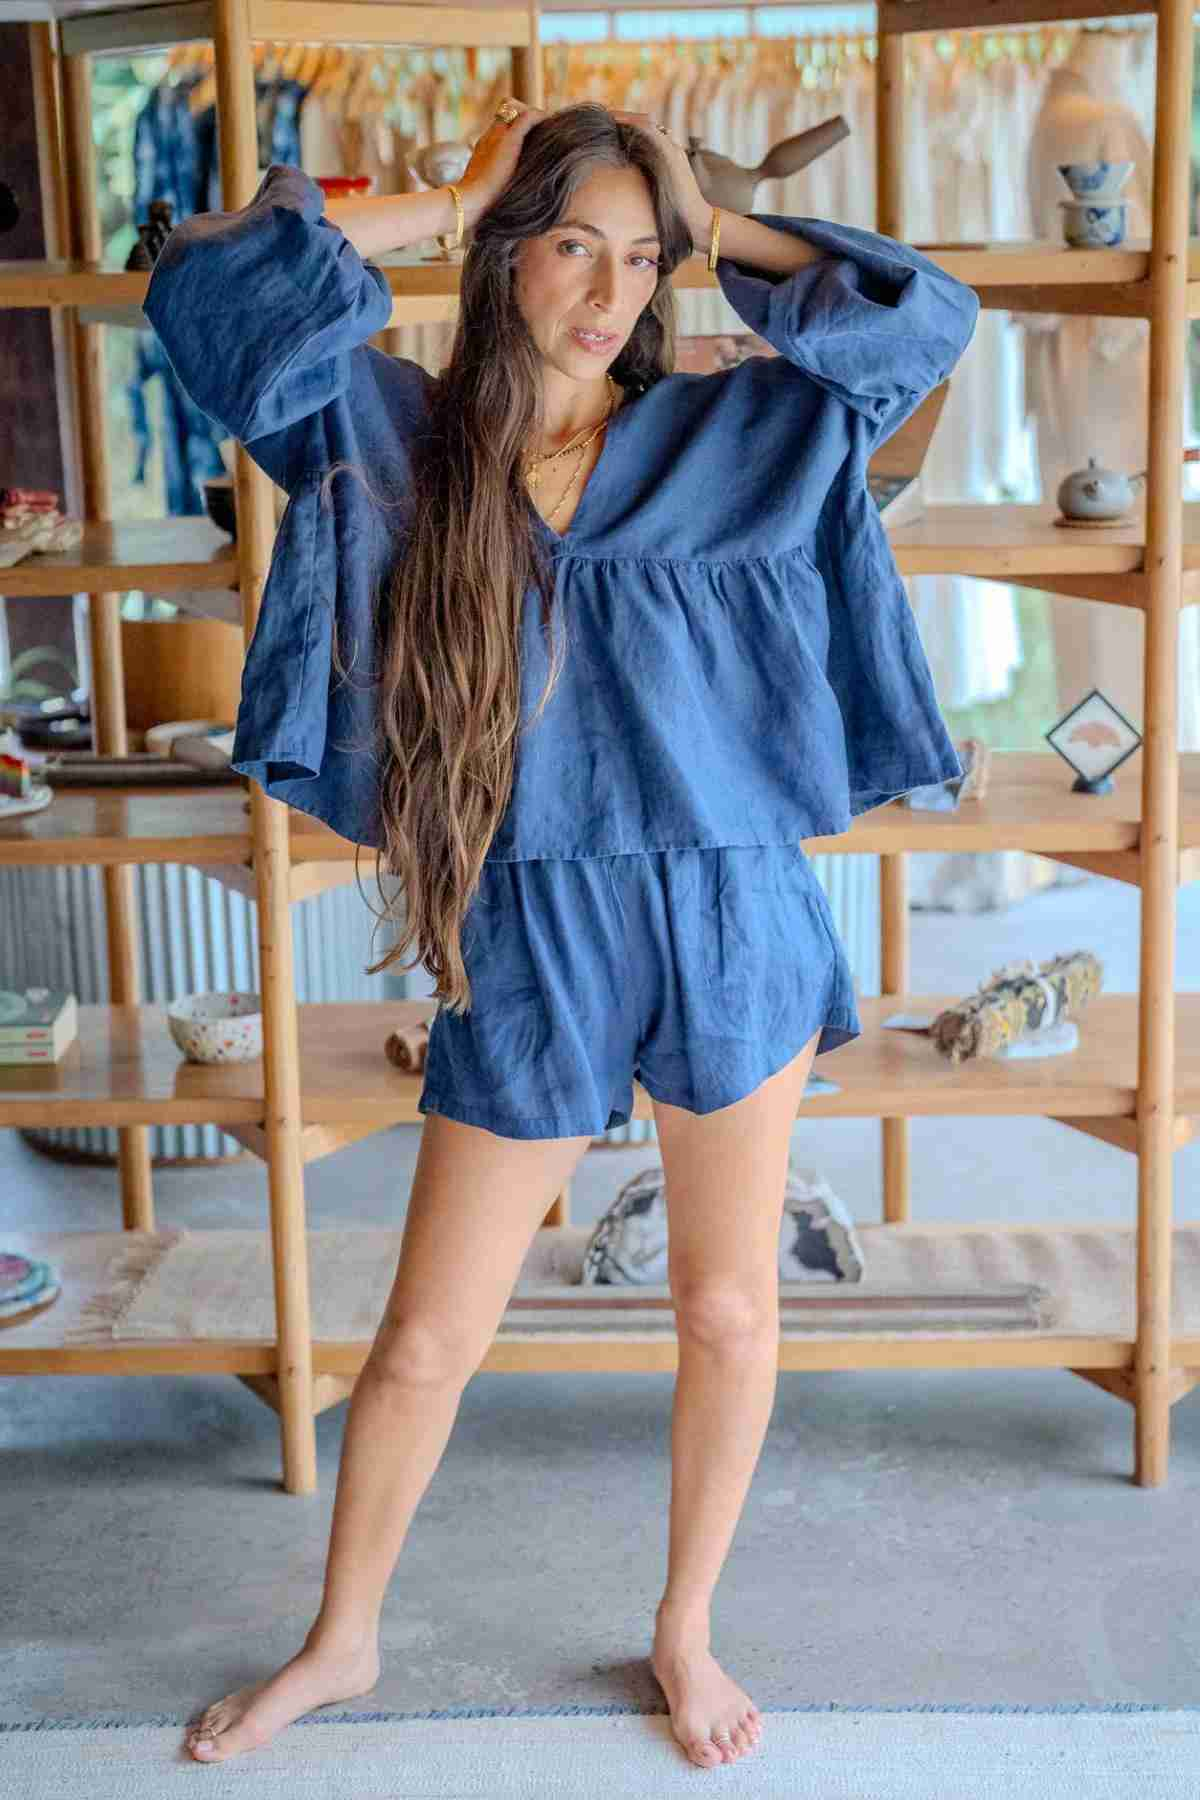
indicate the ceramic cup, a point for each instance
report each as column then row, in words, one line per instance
column 1087, row 226
column 1098, row 182
column 217, row 1028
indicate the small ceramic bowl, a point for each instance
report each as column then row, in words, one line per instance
column 217, row 1028
column 1093, row 227
column 1095, row 181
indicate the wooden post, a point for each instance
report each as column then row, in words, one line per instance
column 104, row 622
column 893, row 869
column 283, row 1123
column 527, row 83
column 1160, row 761
column 894, row 978
column 889, row 133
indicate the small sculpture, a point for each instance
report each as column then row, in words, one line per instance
column 151, row 236
column 729, row 184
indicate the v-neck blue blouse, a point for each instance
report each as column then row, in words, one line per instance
column 742, row 663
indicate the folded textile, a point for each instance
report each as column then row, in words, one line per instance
column 29, row 509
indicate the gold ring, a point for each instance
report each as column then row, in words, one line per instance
column 508, row 110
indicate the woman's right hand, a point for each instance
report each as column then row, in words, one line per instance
column 494, row 159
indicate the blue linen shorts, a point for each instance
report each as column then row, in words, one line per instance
column 697, row 972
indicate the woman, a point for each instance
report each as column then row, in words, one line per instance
column 599, row 848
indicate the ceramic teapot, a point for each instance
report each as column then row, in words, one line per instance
column 1097, row 493
column 1100, row 493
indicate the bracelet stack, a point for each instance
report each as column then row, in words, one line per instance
column 443, row 237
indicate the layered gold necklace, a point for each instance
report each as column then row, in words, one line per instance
column 534, row 467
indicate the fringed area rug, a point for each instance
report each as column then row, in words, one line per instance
column 819, row 1752
column 218, row 1284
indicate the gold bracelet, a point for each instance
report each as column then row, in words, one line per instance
column 715, row 238
column 443, row 236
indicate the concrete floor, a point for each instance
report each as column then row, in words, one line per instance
column 937, row 1537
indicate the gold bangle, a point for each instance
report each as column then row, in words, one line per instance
column 715, row 238
column 443, row 236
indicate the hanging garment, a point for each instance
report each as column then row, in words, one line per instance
column 190, row 453
column 166, row 164
column 164, row 154
column 970, row 624
column 743, row 664
column 278, row 109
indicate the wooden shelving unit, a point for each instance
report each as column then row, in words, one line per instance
column 1148, row 569
column 323, row 1081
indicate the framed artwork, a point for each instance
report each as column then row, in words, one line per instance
column 1095, row 738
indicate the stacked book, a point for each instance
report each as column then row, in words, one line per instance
column 25, row 1284
column 37, row 1026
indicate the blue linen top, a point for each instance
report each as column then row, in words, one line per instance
column 742, row 662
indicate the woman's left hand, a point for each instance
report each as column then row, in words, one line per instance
column 688, row 197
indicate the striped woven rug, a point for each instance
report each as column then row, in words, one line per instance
column 815, row 1752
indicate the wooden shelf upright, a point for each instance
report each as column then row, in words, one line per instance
column 323, row 1080
column 1152, row 1384
column 114, row 1073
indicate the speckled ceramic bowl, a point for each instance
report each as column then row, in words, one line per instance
column 217, row 1028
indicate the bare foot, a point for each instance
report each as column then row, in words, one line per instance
column 250, row 1718
column 705, row 1705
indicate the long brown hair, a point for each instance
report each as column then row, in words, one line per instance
column 449, row 647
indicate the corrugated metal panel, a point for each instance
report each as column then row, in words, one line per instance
column 195, row 934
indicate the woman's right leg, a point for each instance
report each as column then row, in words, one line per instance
column 476, row 1201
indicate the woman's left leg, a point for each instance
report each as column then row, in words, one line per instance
column 725, row 1175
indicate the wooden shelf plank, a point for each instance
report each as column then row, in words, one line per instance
column 196, row 825
column 345, row 1076
column 141, row 26
column 1028, row 806
column 41, row 1345
column 1031, row 275
column 124, row 1069
column 160, row 555
column 1005, row 542
column 63, row 282
column 380, row 22
column 985, row 15
column 901, row 1074
column 1012, row 542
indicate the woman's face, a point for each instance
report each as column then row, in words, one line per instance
column 597, row 269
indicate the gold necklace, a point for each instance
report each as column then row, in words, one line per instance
column 534, row 468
